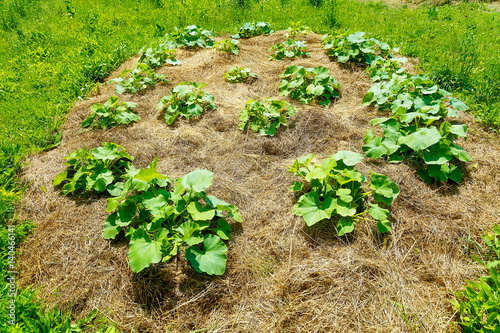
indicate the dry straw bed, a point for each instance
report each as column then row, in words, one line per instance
column 281, row 276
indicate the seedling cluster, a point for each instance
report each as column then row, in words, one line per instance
column 265, row 116
column 335, row 189
column 187, row 99
column 110, row 114
column 290, row 48
column 309, row 85
column 239, row 74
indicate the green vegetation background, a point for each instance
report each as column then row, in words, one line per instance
column 55, row 52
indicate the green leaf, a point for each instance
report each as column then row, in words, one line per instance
column 110, row 228
column 384, row 226
column 223, row 229
column 385, row 190
column 211, row 259
column 312, row 209
column 157, row 205
column 368, row 98
column 459, row 130
column 296, row 186
column 199, row 212
column 421, row 139
column 437, row 154
column 197, row 180
column 143, row 251
column 374, row 148
column 378, row 213
column 344, row 194
column 60, row 178
column 144, row 178
column 345, row 226
column 458, row 104
column 356, row 37
column 344, row 209
column 191, row 232
column 459, row 153
column 348, row 157
column 222, row 205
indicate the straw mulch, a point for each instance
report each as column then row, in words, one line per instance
column 281, row 276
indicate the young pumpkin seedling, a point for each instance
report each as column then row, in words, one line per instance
column 227, row 46
column 187, row 100
column 355, row 48
column 309, row 85
column 334, row 190
column 94, row 171
column 110, row 114
column 289, row 49
column 239, row 74
column 265, row 116
column 251, row 29
column 417, row 129
column 136, row 79
column 163, row 218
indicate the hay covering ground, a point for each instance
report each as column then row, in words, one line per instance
column 281, row 276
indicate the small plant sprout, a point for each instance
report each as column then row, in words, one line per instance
column 94, row 171
column 192, row 37
column 239, row 74
column 291, row 48
column 297, row 29
column 382, row 69
column 309, row 85
column 478, row 303
column 334, row 190
column 112, row 113
column 159, row 55
column 251, row 29
column 355, row 48
column 227, row 46
column 188, row 100
column 139, row 78
column 265, row 116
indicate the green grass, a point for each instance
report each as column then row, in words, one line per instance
column 54, row 52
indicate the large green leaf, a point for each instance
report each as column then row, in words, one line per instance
column 421, row 139
column 345, row 225
column 437, row 154
column 157, row 205
column 197, row 180
column 60, row 178
column 143, row 251
column 384, row 189
column 191, row 232
column 349, row 158
column 344, row 209
column 459, row 130
column 224, row 206
column 110, row 228
column 459, row 153
column 108, row 151
column 199, row 212
column 312, row 209
column 143, row 179
column 211, row 259
column 374, row 148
